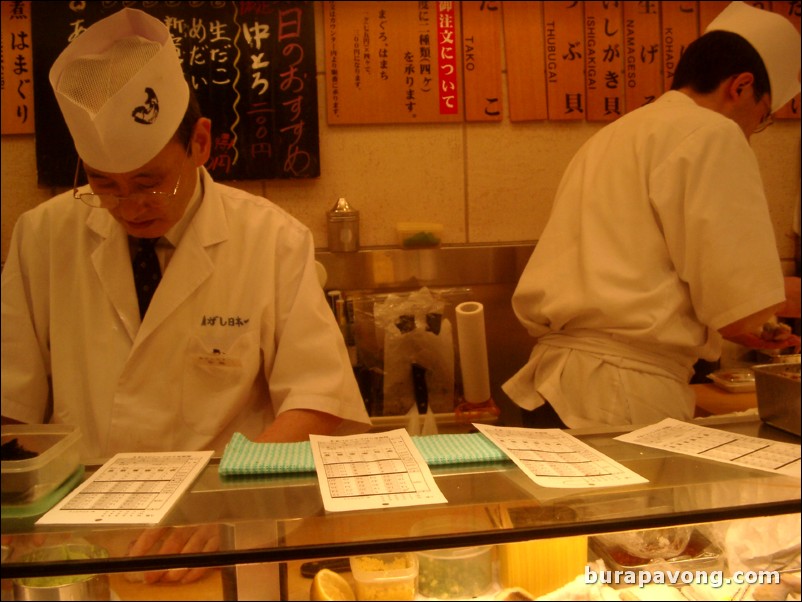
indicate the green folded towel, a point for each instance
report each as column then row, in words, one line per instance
column 244, row 457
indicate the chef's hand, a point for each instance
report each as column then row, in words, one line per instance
column 756, row 341
column 176, row 540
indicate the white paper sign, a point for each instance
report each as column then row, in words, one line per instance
column 372, row 470
column 552, row 458
column 131, row 488
column 705, row 442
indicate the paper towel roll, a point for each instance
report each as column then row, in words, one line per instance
column 473, row 351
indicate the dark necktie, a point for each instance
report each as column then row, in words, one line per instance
column 147, row 272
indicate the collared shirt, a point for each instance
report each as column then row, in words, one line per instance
column 166, row 245
column 238, row 331
column 659, row 236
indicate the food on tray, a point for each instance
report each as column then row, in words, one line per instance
column 385, row 576
column 775, row 331
column 12, row 450
column 383, row 563
column 456, row 573
column 698, row 551
column 648, row 543
column 734, row 380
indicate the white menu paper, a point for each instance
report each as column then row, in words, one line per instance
column 731, row 448
column 131, row 488
column 372, row 470
column 553, row 458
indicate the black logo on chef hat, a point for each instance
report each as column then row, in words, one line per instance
column 148, row 112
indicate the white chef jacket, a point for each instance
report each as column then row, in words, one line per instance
column 659, row 235
column 238, row 330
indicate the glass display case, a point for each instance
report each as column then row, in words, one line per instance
column 264, row 534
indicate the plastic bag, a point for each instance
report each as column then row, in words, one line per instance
column 418, row 353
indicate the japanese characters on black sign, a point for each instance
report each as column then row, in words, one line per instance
column 251, row 65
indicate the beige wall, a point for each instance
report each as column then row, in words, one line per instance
column 486, row 183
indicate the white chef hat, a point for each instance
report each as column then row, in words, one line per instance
column 776, row 40
column 121, row 90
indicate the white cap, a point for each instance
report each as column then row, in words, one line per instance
column 776, row 40
column 121, row 90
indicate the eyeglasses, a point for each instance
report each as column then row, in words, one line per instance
column 148, row 198
column 768, row 118
column 765, row 122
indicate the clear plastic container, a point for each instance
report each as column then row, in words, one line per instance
column 734, row 380
column 56, row 457
column 385, row 576
column 650, row 543
column 66, row 587
column 452, row 573
column 698, row 555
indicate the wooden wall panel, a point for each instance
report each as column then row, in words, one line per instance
column 525, row 58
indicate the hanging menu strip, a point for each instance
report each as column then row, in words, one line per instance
column 604, row 63
column 643, row 55
column 565, row 62
column 525, row 57
column 709, row 10
column 481, row 56
column 17, row 90
column 679, row 27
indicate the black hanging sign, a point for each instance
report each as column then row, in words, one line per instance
column 251, row 64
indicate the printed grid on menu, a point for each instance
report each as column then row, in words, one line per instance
column 372, row 471
column 553, row 458
column 130, row 488
column 128, row 484
column 721, row 446
column 366, row 469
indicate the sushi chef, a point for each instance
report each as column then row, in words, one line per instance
column 223, row 329
column 660, row 242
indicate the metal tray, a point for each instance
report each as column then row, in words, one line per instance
column 778, row 395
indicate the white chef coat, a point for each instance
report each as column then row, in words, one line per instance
column 659, row 235
column 238, row 330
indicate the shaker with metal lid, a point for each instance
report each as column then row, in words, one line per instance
column 343, row 227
